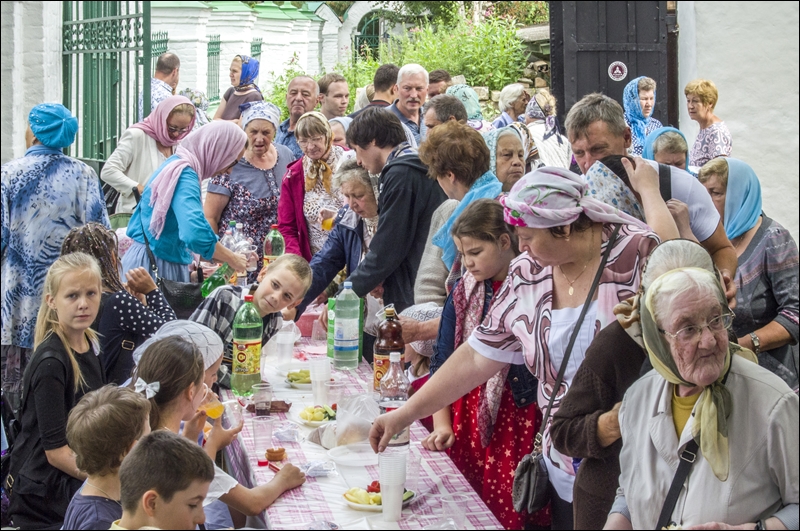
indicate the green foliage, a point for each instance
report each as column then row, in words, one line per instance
column 278, row 84
column 439, row 13
column 340, row 8
column 525, row 13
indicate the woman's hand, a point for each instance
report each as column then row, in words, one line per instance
column 289, row 315
column 239, row 263
column 140, row 281
column 289, row 477
column 608, row 426
column 440, row 439
column 644, row 178
column 680, row 213
column 219, row 437
column 384, row 428
column 411, row 328
column 377, row 292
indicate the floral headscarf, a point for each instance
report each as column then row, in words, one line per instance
column 546, row 114
column 469, row 98
column 604, row 185
column 260, row 110
column 321, row 170
column 633, row 109
column 249, row 74
column 528, row 143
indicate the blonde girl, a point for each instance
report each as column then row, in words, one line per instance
column 64, row 367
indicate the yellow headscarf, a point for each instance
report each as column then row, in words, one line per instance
column 321, row 170
column 710, row 428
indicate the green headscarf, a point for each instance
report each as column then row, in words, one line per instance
column 469, row 98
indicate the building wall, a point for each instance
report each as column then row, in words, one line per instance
column 750, row 50
column 329, row 45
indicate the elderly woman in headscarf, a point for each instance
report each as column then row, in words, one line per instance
column 249, row 192
column 667, row 145
column 243, row 89
column 169, row 219
column 562, row 235
column 307, row 189
column 767, row 305
column 731, row 424
column 506, row 155
column 553, row 148
column 339, row 126
column 200, row 102
column 472, row 104
column 45, row 194
column 639, row 101
column 145, row 146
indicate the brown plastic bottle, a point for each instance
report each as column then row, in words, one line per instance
column 390, row 339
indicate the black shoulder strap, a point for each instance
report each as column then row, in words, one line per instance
column 688, row 457
column 28, row 375
column 665, row 182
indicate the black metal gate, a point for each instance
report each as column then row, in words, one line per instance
column 594, row 44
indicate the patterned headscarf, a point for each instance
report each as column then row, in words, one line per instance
column 155, row 125
column 547, row 115
column 207, row 151
column 321, row 170
column 206, row 340
column 554, row 197
column 53, row 125
column 260, row 110
column 633, row 109
column 743, row 198
column 604, row 185
column 469, row 98
column 249, row 71
column 528, row 144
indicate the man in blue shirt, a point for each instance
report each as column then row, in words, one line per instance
column 301, row 97
column 412, row 84
column 163, row 83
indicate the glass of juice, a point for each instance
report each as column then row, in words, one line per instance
column 211, row 404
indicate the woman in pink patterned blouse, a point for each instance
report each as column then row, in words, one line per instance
column 562, row 235
column 714, row 139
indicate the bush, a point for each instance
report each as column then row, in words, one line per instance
column 278, row 84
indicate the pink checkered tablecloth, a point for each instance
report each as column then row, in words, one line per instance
column 321, row 498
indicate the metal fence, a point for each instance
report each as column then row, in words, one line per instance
column 159, row 43
column 213, row 68
column 255, row 52
column 105, row 45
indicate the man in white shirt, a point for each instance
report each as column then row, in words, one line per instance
column 163, row 83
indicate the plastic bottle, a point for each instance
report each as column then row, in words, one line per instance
column 390, row 339
column 220, row 277
column 227, row 240
column 394, row 394
column 239, row 245
column 247, row 332
column 274, row 246
column 346, row 331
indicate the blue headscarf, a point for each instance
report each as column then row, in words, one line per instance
column 491, row 138
column 469, row 98
column 633, row 109
column 648, row 152
column 53, row 125
column 486, row 187
column 743, row 199
column 249, row 71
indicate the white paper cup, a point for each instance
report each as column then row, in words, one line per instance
column 392, row 501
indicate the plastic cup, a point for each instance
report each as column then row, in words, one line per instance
column 334, row 392
column 320, row 369
column 252, row 257
column 211, row 405
column 233, row 412
column 393, row 478
column 327, row 215
column 319, row 332
column 285, row 347
column 413, row 467
column 453, row 508
column 262, row 399
column 262, row 435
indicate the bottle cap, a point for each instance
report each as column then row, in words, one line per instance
column 274, row 227
column 395, row 356
column 231, row 223
column 248, row 298
column 348, row 284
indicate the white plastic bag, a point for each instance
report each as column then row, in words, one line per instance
column 354, row 418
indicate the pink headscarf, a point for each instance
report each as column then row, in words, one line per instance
column 554, row 197
column 155, row 125
column 207, row 151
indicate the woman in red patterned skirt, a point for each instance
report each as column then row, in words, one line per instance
column 489, row 430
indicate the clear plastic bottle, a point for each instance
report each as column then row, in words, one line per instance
column 227, row 241
column 247, row 332
column 240, row 246
column 394, row 394
column 346, row 329
column 274, row 245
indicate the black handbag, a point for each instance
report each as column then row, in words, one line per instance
column 531, row 491
column 183, row 297
column 111, row 196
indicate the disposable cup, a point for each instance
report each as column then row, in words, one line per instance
column 393, row 468
column 262, row 436
column 233, row 412
column 285, row 347
column 453, row 508
column 334, row 392
column 211, row 405
column 320, row 369
column 391, row 501
column 262, row 398
column 413, row 467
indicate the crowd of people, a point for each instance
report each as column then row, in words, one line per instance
column 598, row 292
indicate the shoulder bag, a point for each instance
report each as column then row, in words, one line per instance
column 531, row 491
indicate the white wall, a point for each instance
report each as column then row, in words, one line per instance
column 350, row 26
column 750, row 50
column 30, row 67
column 329, row 53
column 185, row 24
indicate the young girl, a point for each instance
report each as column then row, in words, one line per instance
column 177, row 365
column 130, row 313
column 489, row 430
column 64, row 367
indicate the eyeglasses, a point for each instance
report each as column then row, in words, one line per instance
column 173, row 129
column 316, row 140
column 691, row 334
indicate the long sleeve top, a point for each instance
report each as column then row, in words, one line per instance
column 132, row 163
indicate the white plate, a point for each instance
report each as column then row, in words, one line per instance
column 315, row 423
column 359, row 454
column 373, row 508
column 301, row 386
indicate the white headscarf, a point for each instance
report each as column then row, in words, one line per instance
column 206, row 340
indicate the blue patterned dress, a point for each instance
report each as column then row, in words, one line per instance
column 45, row 194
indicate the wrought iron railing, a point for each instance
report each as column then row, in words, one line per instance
column 213, row 68
column 255, row 51
column 158, row 45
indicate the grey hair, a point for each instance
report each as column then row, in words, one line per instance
column 670, row 142
column 692, row 281
column 509, row 95
column 675, row 254
column 349, row 170
column 303, row 76
column 592, row 108
column 444, row 106
column 410, row 70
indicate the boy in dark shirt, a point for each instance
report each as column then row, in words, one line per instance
column 102, row 428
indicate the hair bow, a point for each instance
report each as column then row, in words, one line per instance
column 149, row 389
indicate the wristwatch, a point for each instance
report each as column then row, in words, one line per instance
column 756, row 343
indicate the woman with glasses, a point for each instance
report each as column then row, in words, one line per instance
column 707, row 407
column 307, row 192
column 144, row 146
column 170, row 220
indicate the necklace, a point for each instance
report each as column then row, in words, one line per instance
column 109, row 496
column 571, row 282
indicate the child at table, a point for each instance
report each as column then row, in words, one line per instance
column 282, row 286
column 177, row 365
column 163, row 483
column 101, row 430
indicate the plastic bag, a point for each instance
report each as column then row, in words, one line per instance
column 354, row 418
column 288, row 433
column 319, row 469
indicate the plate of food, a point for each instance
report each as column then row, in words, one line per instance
column 369, row 499
column 358, row 454
column 300, row 379
column 315, row 416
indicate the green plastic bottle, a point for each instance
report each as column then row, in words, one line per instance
column 220, row 277
column 247, row 331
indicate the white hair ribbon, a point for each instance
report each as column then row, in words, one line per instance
column 149, row 389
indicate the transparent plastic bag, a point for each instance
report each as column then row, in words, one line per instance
column 319, row 469
column 354, row 418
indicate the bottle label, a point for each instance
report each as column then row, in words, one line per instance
column 380, row 366
column 247, row 357
column 401, row 438
column 346, row 330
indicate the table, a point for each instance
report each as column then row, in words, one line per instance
column 321, row 498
